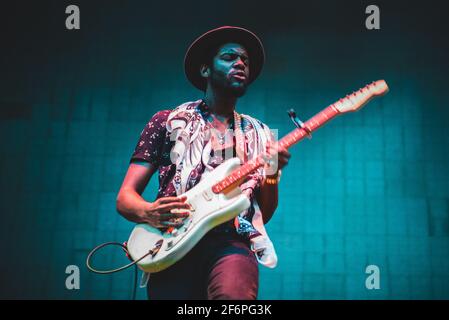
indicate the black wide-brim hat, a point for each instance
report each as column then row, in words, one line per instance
column 201, row 49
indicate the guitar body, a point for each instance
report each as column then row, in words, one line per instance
column 209, row 209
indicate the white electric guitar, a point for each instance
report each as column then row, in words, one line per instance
column 217, row 198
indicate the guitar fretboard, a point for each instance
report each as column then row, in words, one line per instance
column 351, row 102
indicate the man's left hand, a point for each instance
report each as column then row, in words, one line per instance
column 273, row 153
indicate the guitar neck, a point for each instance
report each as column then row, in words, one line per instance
column 286, row 142
column 351, row 102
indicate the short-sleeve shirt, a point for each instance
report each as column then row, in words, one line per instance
column 154, row 146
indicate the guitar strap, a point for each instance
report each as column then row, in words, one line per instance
column 240, row 145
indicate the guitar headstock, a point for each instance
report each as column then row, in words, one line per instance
column 358, row 99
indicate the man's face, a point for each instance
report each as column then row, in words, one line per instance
column 230, row 69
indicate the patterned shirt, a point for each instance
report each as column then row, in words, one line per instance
column 155, row 145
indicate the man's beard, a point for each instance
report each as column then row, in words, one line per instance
column 224, row 85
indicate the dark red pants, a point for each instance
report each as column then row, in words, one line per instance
column 220, row 266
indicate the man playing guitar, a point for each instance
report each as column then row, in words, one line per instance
column 192, row 139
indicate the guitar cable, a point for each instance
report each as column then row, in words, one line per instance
column 132, row 263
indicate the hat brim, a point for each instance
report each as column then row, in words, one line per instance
column 199, row 50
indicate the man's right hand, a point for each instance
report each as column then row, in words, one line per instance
column 159, row 213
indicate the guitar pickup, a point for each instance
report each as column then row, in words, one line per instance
column 207, row 195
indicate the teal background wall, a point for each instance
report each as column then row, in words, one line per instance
column 369, row 188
